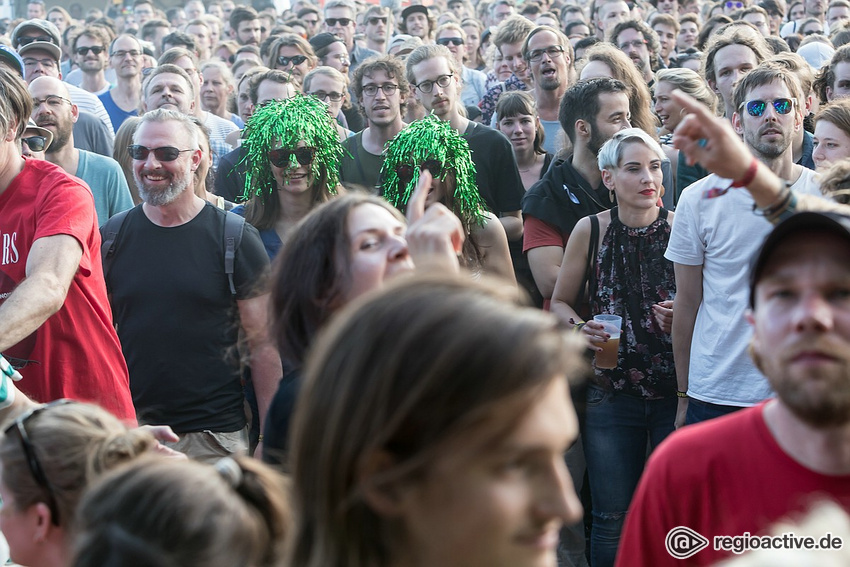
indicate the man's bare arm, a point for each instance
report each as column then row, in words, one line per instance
column 688, row 299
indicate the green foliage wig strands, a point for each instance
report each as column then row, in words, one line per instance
column 432, row 138
column 284, row 123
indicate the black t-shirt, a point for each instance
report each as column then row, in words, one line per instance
column 177, row 319
column 499, row 182
column 359, row 166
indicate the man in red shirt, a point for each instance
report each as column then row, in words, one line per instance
column 57, row 324
column 714, row 488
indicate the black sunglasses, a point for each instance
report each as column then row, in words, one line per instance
column 35, row 143
column 282, row 156
column 295, row 60
column 28, row 40
column 96, row 49
column 450, row 41
column 165, row 153
column 405, row 171
column 344, row 22
column 33, row 463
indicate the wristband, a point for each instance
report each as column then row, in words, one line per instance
column 748, row 176
column 681, row 394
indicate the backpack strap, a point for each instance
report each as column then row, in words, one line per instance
column 233, row 226
column 109, row 234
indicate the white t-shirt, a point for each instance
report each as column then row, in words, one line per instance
column 723, row 235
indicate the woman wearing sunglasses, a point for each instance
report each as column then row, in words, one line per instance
column 292, row 54
column 433, row 145
column 331, row 87
column 293, row 153
column 48, row 456
column 632, row 401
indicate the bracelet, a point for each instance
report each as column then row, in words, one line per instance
column 576, row 325
column 784, row 206
column 748, row 176
column 681, row 394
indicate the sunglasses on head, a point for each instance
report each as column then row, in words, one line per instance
column 281, row 157
column 96, row 49
column 344, row 22
column 165, row 153
column 36, row 470
column 758, row 107
column 35, row 143
column 450, row 41
column 295, row 60
column 405, row 171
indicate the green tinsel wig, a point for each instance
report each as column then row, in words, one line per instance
column 432, row 138
column 284, row 123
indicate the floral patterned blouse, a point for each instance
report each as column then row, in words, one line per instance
column 632, row 275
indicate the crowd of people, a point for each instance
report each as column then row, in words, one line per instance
column 389, row 285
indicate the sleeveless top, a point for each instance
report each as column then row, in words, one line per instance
column 631, row 276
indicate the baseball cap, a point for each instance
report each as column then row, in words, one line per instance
column 828, row 222
column 47, row 28
column 51, row 48
column 31, row 125
column 322, row 40
column 11, row 56
column 417, row 8
column 816, row 54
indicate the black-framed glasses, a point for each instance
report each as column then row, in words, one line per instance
column 282, row 157
column 35, row 143
column 813, row 32
column 295, row 60
column 553, row 52
column 456, row 41
column 758, row 107
column 96, row 49
column 36, row 470
column 53, row 101
column 442, row 81
column 165, row 153
column 324, row 95
column 344, row 22
column 405, row 171
column 387, row 88
column 375, row 20
column 22, row 41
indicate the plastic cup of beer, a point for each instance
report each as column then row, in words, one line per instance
column 607, row 358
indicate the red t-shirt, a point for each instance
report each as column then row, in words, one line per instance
column 75, row 353
column 723, row 477
column 537, row 233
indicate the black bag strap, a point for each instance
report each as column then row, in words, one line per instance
column 109, row 233
column 233, row 226
column 588, row 282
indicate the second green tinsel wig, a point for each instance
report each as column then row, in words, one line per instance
column 285, row 123
column 432, row 138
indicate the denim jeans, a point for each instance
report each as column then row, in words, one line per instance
column 699, row 411
column 619, row 428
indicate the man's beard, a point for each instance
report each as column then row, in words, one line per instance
column 162, row 197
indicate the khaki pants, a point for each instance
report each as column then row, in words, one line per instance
column 208, row 446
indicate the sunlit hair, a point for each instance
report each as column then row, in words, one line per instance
column 690, row 83
column 611, row 152
column 382, row 380
column 765, row 74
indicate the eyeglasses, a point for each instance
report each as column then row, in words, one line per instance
column 33, row 463
column 456, row 41
column 442, row 81
column 735, row 5
column 294, row 60
column 553, row 52
column 813, row 32
column 96, row 49
column 405, row 171
column 282, row 157
column 53, row 101
column 46, row 63
column 165, row 153
column 387, row 88
column 322, row 95
column 636, row 43
column 375, row 20
column 344, row 22
column 757, row 107
column 123, row 54
column 35, row 143
column 22, row 41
